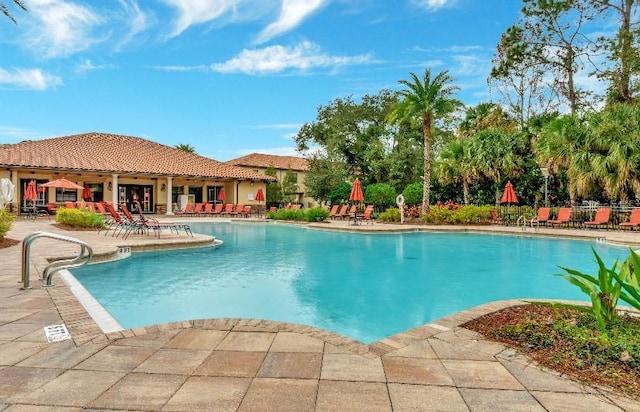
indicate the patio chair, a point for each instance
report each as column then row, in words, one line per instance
column 157, row 226
column 238, row 210
column 334, row 211
column 563, row 218
column 228, row 210
column 342, row 212
column 217, row 210
column 601, row 218
column 207, row 209
column 197, row 209
column 368, row 214
column 494, row 218
column 246, row 211
column 543, row 216
column 634, row 220
column 188, row 210
column 351, row 213
column 69, row 205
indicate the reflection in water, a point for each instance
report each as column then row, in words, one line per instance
column 365, row 286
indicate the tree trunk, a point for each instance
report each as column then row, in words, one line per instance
column 426, row 188
column 465, row 191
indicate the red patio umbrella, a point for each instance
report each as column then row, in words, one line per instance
column 356, row 191
column 63, row 183
column 259, row 195
column 86, row 192
column 222, row 196
column 31, row 193
column 509, row 195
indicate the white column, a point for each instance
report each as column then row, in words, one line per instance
column 114, row 190
column 169, row 192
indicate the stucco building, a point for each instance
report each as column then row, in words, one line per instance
column 122, row 169
column 299, row 166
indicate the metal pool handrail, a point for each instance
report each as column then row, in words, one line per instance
column 86, row 253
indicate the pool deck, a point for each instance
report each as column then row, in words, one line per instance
column 254, row 365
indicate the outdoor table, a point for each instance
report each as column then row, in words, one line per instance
column 356, row 219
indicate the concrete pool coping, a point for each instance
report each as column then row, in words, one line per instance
column 261, row 364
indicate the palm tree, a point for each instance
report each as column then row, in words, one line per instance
column 5, row 10
column 427, row 100
column 185, row 147
column 456, row 164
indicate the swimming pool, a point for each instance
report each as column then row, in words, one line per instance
column 364, row 286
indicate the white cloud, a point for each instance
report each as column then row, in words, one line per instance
column 137, row 20
column 276, row 59
column 34, row 79
column 292, row 13
column 62, row 27
column 87, row 65
column 433, row 5
column 192, row 12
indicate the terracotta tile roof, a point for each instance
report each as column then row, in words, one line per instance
column 265, row 160
column 109, row 153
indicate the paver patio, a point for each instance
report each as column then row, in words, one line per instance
column 252, row 364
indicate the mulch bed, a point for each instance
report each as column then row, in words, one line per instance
column 561, row 355
column 6, row 242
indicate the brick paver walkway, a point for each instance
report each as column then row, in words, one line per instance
column 254, row 365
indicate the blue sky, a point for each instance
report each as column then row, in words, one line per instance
column 229, row 77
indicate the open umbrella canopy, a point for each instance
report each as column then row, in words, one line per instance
column 63, row 183
column 509, row 195
column 86, row 192
column 6, row 192
column 259, row 195
column 356, row 191
column 31, row 193
column 222, row 195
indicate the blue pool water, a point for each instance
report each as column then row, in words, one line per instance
column 365, row 286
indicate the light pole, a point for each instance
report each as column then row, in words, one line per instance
column 545, row 174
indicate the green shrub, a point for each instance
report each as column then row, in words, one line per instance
column 380, row 194
column 317, row 214
column 413, row 194
column 390, row 215
column 6, row 220
column 311, row 215
column 79, row 218
column 341, row 193
column 288, row 214
column 444, row 215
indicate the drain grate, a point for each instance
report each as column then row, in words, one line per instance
column 56, row 333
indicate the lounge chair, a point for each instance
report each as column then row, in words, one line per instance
column 157, row 226
column 342, row 212
column 69, row 205
column 634, row 220
column 543, row 216
column 197, row 210
column 238, row 210
column 228, row 210
column 246, row 211
column 368, row 214
column 563, row 218
column 188, row 209
column 351, row 214
column 334, row 211
column 601, row 218
column 217, row 209
column 494, row 218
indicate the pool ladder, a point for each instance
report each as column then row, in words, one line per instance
column 86, row 253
